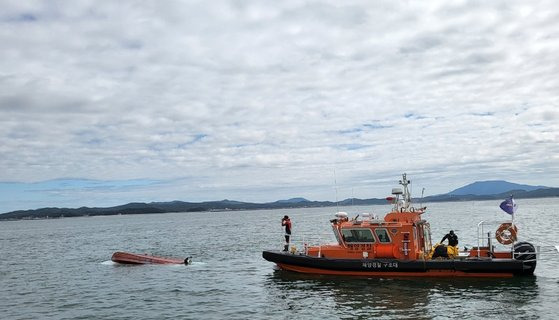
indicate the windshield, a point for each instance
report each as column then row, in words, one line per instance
column 358, row 235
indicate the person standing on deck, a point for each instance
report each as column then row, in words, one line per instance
column 285, row 222
column 452, row 239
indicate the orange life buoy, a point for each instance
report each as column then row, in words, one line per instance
column 506, row 233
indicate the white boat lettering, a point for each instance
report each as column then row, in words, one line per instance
column 380, row 265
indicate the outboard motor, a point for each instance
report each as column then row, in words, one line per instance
column 525, row 251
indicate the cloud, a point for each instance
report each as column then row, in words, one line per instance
column 258, row 101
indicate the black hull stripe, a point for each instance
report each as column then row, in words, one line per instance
column 390, row 265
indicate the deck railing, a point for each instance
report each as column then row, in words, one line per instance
column 300, row 243
column 489, row 236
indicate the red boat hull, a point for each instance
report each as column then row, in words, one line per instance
column 133, row 258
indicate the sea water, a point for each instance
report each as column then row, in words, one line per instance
column 61, row 269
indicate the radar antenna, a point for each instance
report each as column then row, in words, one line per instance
column 407, row 197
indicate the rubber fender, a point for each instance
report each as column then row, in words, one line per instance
column 524, row 251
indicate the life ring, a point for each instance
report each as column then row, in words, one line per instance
column 506, row 233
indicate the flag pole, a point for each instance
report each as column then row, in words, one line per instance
column 509, row 206
column 513, row 204
column 513, row 208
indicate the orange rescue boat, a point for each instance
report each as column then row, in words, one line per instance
column 400, row 245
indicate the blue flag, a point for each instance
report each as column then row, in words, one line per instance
column 508, row 206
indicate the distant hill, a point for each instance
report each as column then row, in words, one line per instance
column 293, row 200
column 481, row 190
column 519, row 194
column 484, row 188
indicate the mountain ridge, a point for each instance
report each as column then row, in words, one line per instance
column 489, row 187
column 521, row 191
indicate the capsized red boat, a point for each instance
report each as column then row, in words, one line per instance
column 134, row 258
column 400, row 245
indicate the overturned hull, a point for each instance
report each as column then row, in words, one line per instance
column 463, row 267
column 134, row 258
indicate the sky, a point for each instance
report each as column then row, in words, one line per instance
column 108, row 102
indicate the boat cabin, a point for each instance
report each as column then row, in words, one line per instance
column 401, row 234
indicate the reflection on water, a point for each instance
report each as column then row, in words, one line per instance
column 406, row 298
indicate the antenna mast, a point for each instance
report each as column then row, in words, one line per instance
column 407, row 197
column 336, row 187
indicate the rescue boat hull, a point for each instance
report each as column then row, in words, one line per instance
column 468, row 267
column 133, row 258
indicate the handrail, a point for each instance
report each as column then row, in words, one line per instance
column 536, row 252
column 480, row 224
column 306, row 241
column 481, row 235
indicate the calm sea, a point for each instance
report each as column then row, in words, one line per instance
column 61, row 269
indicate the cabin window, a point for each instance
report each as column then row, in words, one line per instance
column 358, row 235
column 382, row 235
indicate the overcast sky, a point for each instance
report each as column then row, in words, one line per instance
column 108, row 102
